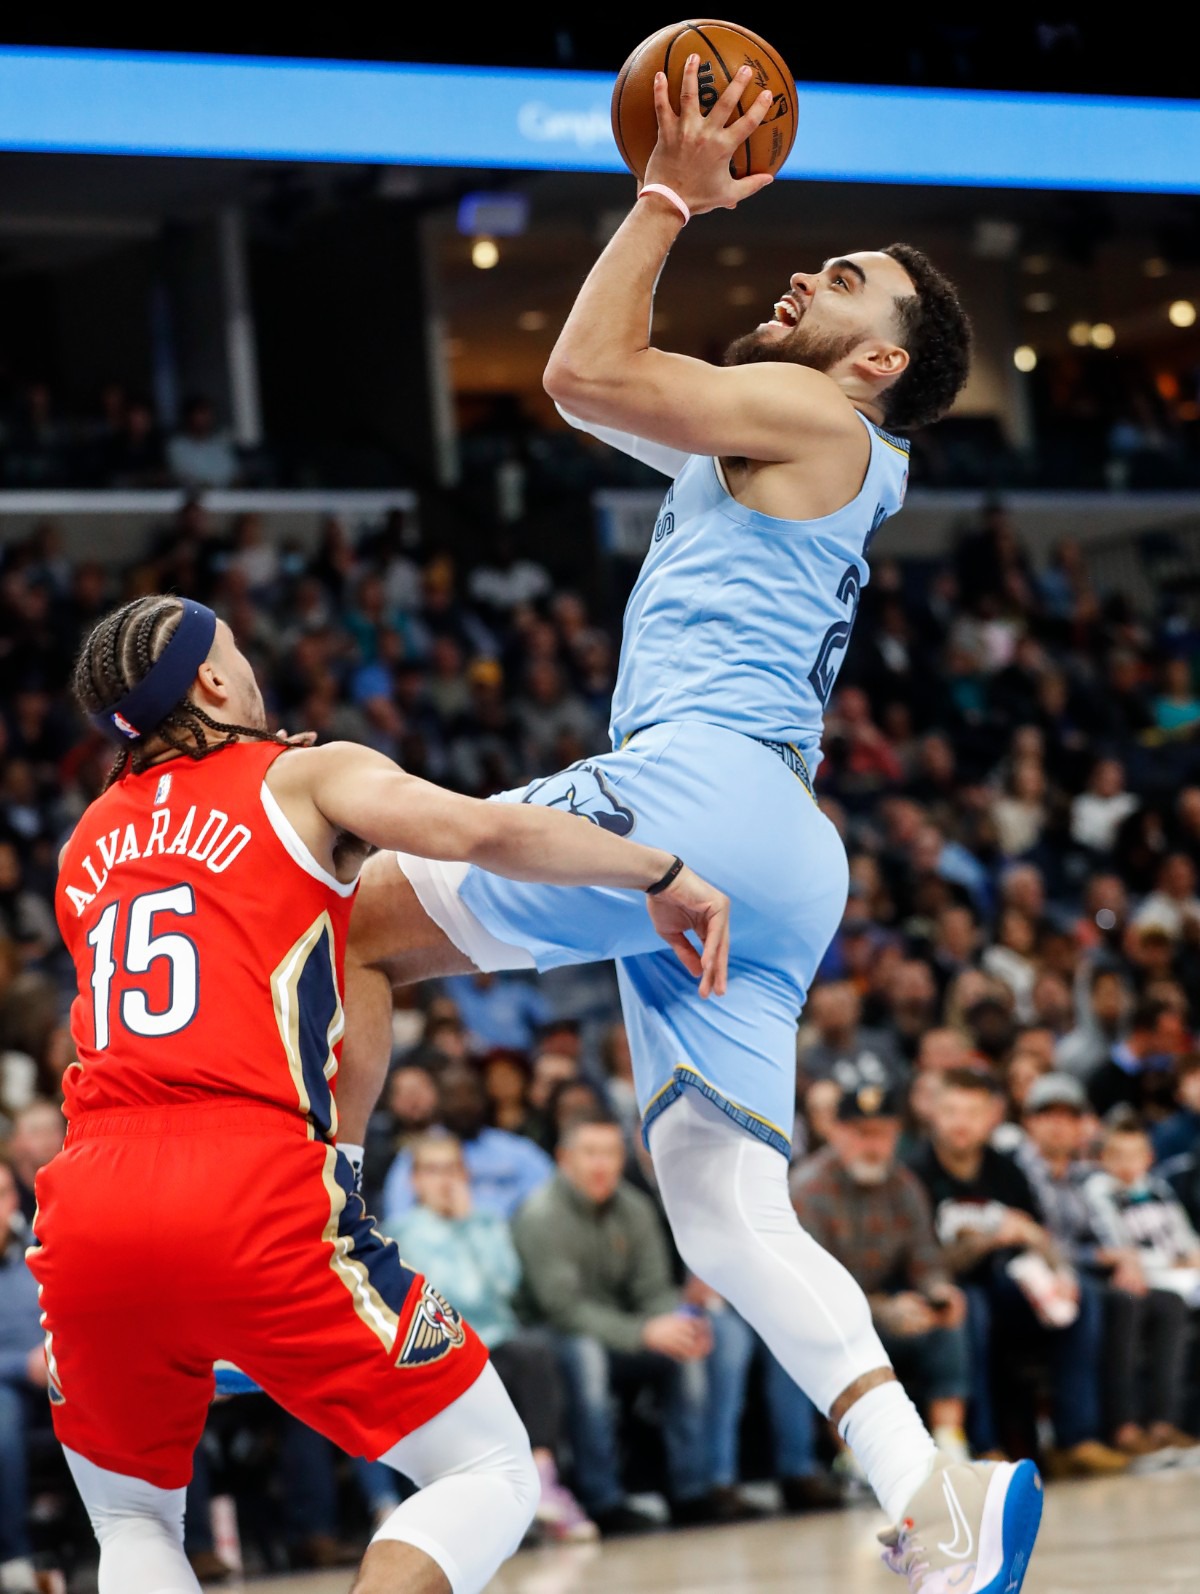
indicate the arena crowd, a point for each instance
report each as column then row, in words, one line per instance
column 997, row 1122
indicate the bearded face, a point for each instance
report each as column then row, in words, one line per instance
column 802, row 345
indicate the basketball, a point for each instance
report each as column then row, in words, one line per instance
column 723, row 47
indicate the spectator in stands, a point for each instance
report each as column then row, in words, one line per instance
column 862, row 759
column 134, row 454
column 991, row 1025
column 25, row 916
column 504, row 1169
column 872, row 1213
column 1020, row 812
column 1149, row 1242
column 485, row 740
column 1184, row 824
column 1173, row 904
column 911, row 1002
column 833, row 1044
column 23, row 1381
column 200, row 455
column 547, row 709
column 1135, row 1210
column 1012, row 957
column 598, row 1273
column 804, row 1484
column 1024, row 1069
column 407, row 1107
column 568, row 1100
column 551, row 1068
column 1098, row 812
column 1139, row 1071
column 1176, row 707
column 499, row 1010
column 985, row 1216
column 470, row 1257
column 1178, row 1134
column 443, row 1040
column 508, row 579
column 38, row 1133
column 506, row 1076
column 1101, row 1025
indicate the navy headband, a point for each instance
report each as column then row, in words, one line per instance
column 166, row 683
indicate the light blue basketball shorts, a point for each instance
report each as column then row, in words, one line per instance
column 741, row 817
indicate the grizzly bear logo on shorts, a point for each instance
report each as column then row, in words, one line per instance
column 583, row 790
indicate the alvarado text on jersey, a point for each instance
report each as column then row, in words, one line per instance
column 210, row 843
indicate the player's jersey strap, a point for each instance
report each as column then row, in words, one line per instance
column 308, row 1010
column 742, row 620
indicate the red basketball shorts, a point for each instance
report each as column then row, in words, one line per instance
column 173, row 1238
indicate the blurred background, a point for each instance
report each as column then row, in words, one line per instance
column 273, row 336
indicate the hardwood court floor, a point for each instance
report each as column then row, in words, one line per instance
column 1124, row 1536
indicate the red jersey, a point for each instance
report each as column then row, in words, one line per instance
column 208, row 944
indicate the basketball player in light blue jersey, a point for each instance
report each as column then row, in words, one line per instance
column 784, row 465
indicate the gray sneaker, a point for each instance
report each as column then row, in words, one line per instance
column 969, row 1529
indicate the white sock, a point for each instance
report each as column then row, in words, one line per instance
column 354, row 1156
column 892, row 1445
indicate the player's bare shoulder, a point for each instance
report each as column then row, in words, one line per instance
column 820, row 447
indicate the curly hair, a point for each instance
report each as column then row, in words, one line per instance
column 119, row 652
column 936, row 331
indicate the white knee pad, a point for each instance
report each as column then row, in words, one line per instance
column 139, row 1529
column 478, row 1485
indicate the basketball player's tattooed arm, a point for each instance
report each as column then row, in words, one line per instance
column 355, row 790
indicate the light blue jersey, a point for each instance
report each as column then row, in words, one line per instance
column 741, row 620
column 734, row 635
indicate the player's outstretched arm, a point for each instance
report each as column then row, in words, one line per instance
column 359, row 791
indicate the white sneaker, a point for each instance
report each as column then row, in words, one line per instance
column 969, row 1529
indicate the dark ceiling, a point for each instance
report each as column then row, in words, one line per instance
column 1088, row 52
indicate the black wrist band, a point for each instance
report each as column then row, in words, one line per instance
column 661, row 885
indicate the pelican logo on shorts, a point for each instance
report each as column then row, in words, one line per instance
column 436, row 1330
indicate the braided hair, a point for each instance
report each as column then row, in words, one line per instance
column 117, row 654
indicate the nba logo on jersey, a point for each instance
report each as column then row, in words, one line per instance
column 162, row 790
column 436, row 1330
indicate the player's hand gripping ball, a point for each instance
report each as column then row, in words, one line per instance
column 723, row 47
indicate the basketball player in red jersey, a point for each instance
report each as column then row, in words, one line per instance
column 200, row 1210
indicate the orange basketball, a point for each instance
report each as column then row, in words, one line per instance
column 722, row 47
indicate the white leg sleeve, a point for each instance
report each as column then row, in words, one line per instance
column 478, row 1485
column 726, row 1197
column 139, row 1529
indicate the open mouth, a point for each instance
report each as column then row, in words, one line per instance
column 787, row 315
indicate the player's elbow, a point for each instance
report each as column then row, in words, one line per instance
column 560, row 378
column 580, row 385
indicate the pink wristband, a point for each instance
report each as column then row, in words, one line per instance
column 667, row 193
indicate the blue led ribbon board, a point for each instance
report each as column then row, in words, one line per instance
column 131, row 103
